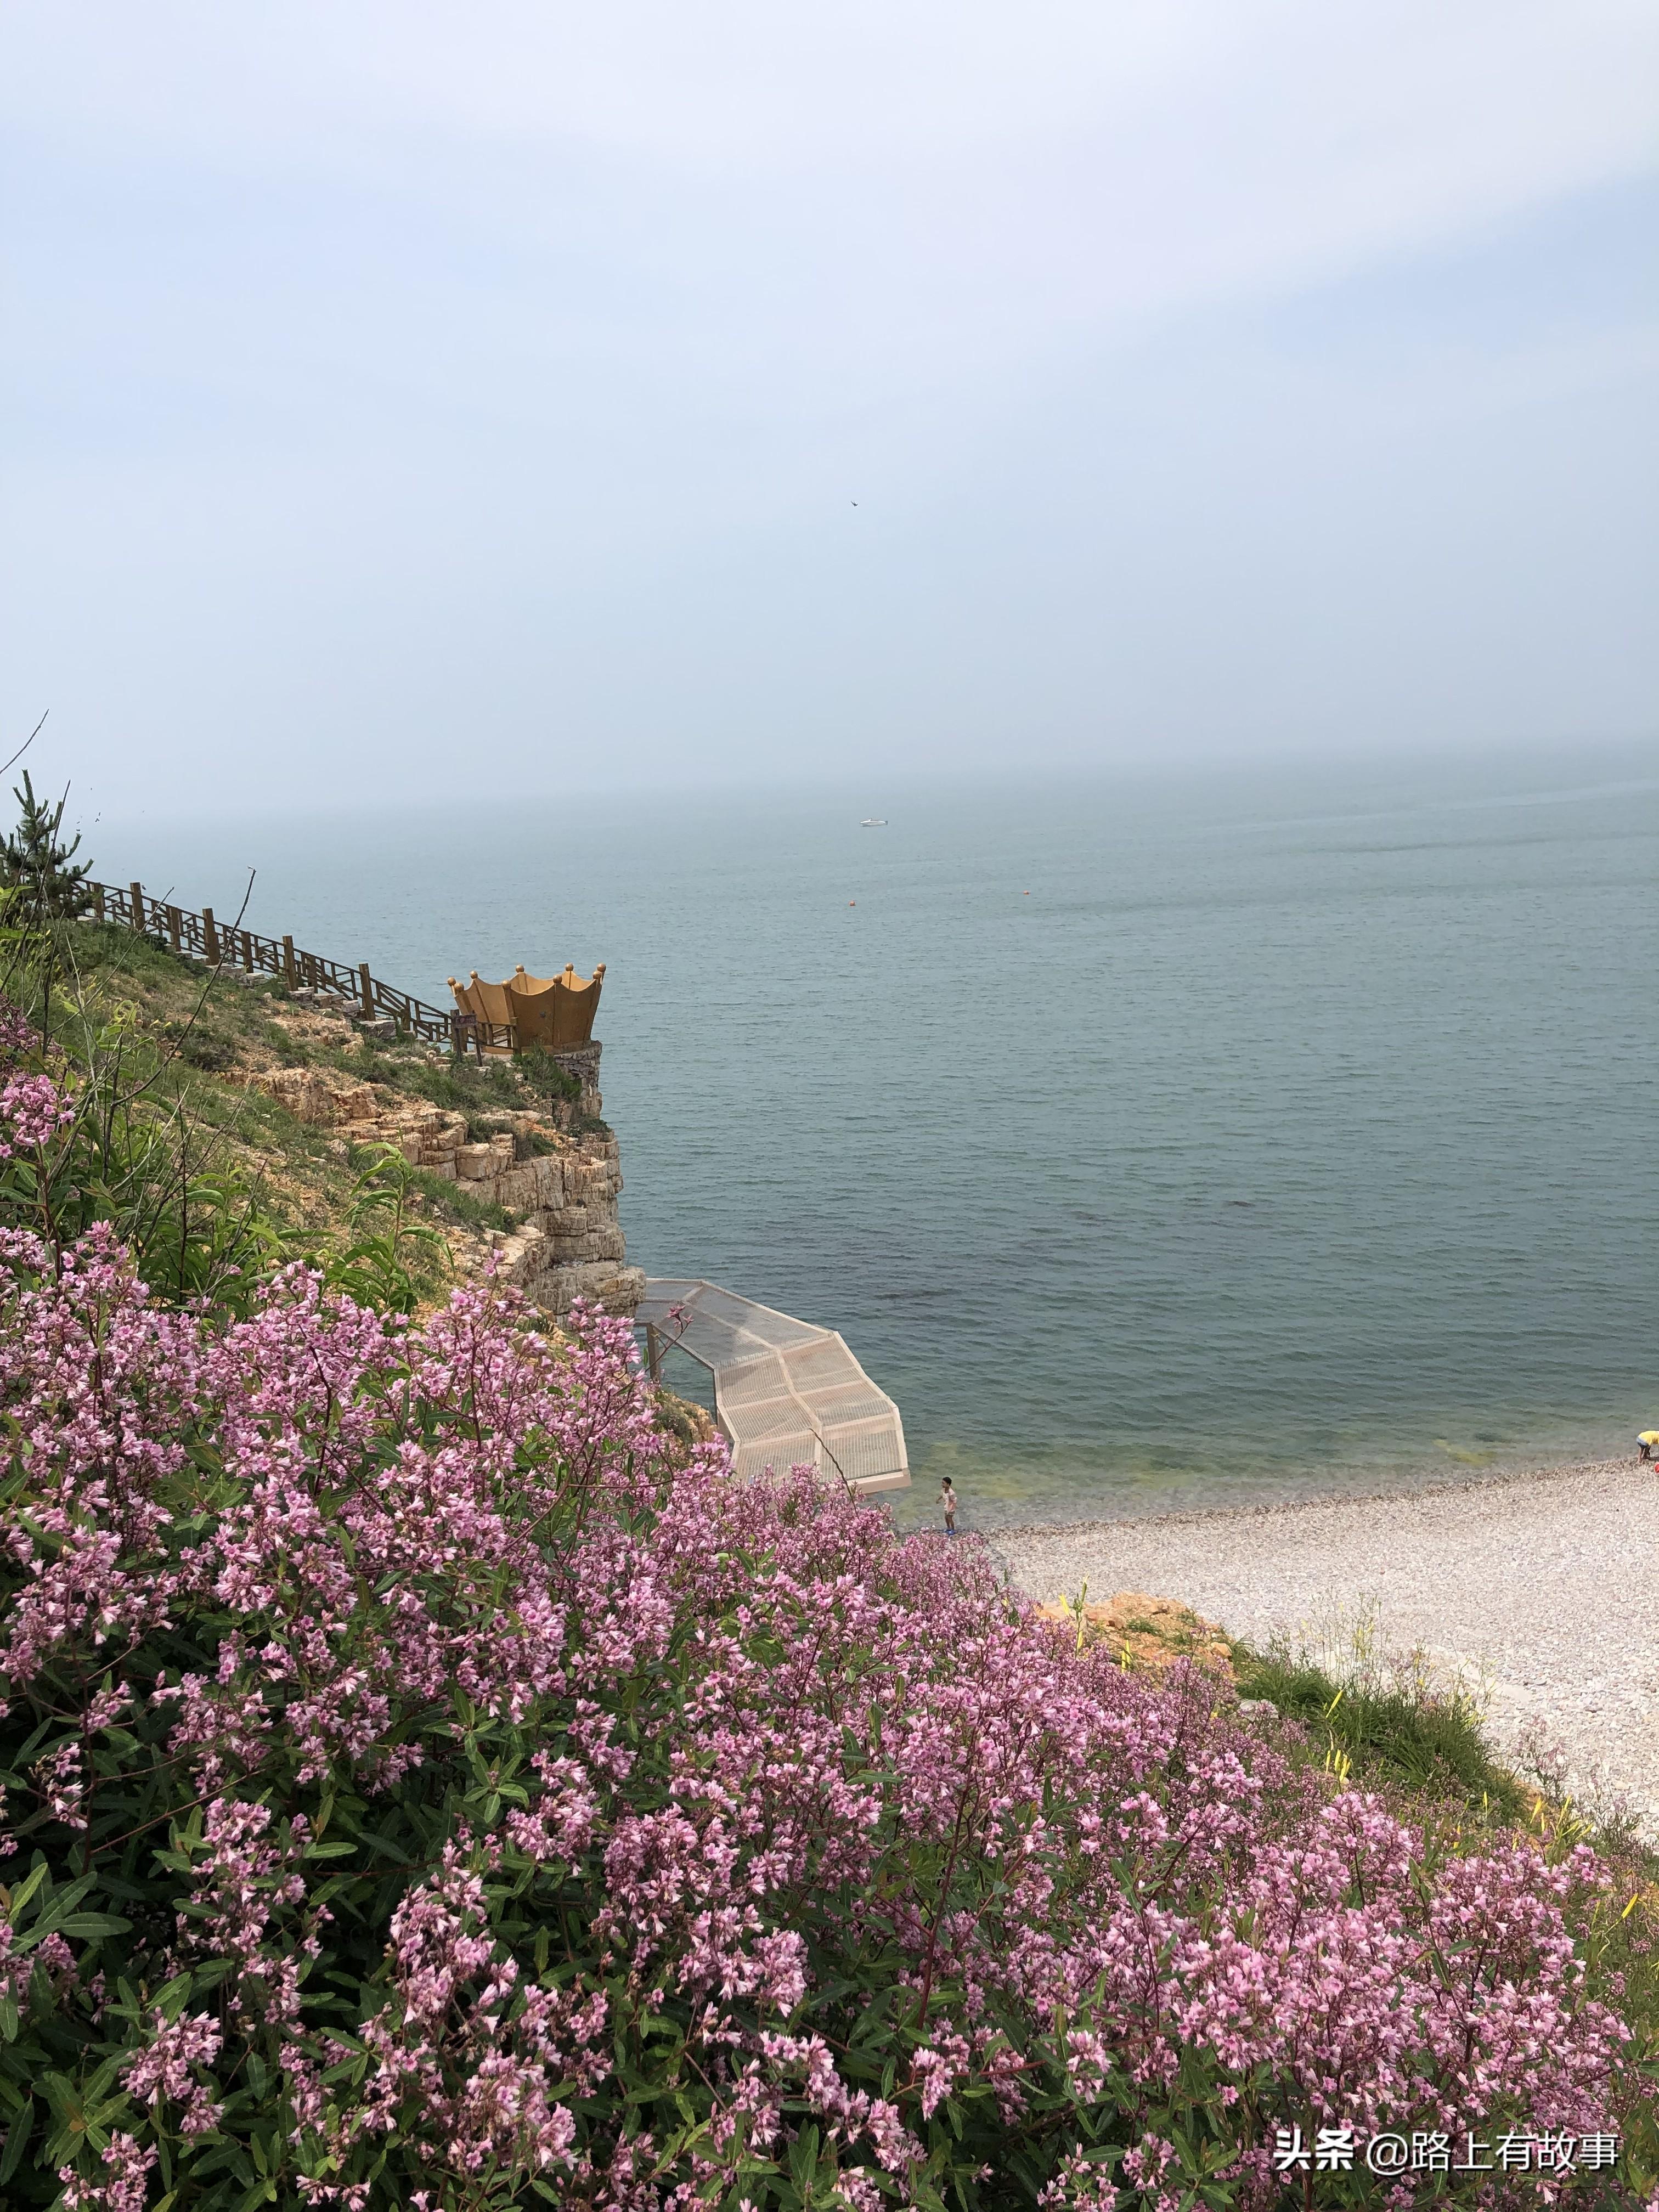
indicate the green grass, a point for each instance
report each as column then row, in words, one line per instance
column 463, row 1086
column 546, row 1077
column 444, row 1197
column 1394, row 1727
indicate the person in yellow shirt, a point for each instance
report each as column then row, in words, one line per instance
column 1645, row 1443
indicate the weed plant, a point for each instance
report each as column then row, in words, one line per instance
column 1398, row 1726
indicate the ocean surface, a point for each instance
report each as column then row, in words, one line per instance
column 1159, row 1141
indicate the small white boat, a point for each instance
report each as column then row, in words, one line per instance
column 874, row 821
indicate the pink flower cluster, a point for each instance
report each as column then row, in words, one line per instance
column 693, row 1761
column 166, row 2071
column 33, row 1110
column 123, row 2185
column 18, row 1035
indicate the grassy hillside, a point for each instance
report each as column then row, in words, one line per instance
column 192, row 1044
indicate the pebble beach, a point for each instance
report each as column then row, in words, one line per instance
column 1538, row 1590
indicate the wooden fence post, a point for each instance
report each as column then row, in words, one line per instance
column 199, row 928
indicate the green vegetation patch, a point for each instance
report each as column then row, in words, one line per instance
column 212, row 1184
column 1404, row 1730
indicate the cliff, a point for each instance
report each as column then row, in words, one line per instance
column 559, row 1184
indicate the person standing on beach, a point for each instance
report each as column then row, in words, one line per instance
column 947, row 1498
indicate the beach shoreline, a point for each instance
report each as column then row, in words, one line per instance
column 1410, row 1483
column 1538, row 1588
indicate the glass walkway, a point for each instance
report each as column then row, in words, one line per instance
column 787, row 1394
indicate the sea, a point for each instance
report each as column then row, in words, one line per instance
column 1160, row 1138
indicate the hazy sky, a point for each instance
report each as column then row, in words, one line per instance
column 402, row 397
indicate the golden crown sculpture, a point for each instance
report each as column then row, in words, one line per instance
column 555, row 1011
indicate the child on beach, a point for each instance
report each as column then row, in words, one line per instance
column 947, row 1498
column 1645, row 1443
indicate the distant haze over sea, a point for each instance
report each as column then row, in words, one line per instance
column 1295, row 1132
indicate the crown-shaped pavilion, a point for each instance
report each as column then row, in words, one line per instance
column 554, row 1012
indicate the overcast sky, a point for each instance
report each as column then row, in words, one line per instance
column 405, row 395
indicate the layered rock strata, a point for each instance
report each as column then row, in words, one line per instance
column 562, row 1184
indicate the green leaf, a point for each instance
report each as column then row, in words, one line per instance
column 804, row 2161
column 87, row 1925
column 172, row 1997
column 24, row 1890
column 17, row 2136
column 384, row 1844
column 61, row 2095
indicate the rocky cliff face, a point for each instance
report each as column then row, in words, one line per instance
column 561, row 1184
column 570, row 1244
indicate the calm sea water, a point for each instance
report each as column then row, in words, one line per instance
column 1156, row 1142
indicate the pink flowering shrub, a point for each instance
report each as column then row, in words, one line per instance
column 421, row 1791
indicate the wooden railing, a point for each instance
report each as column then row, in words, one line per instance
column 225, row 945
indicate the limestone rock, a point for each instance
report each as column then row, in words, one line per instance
column 532, row 1262
column 560, row 1182
column 316, row 1096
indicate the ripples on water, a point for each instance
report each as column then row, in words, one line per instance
column 1155, row 1142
